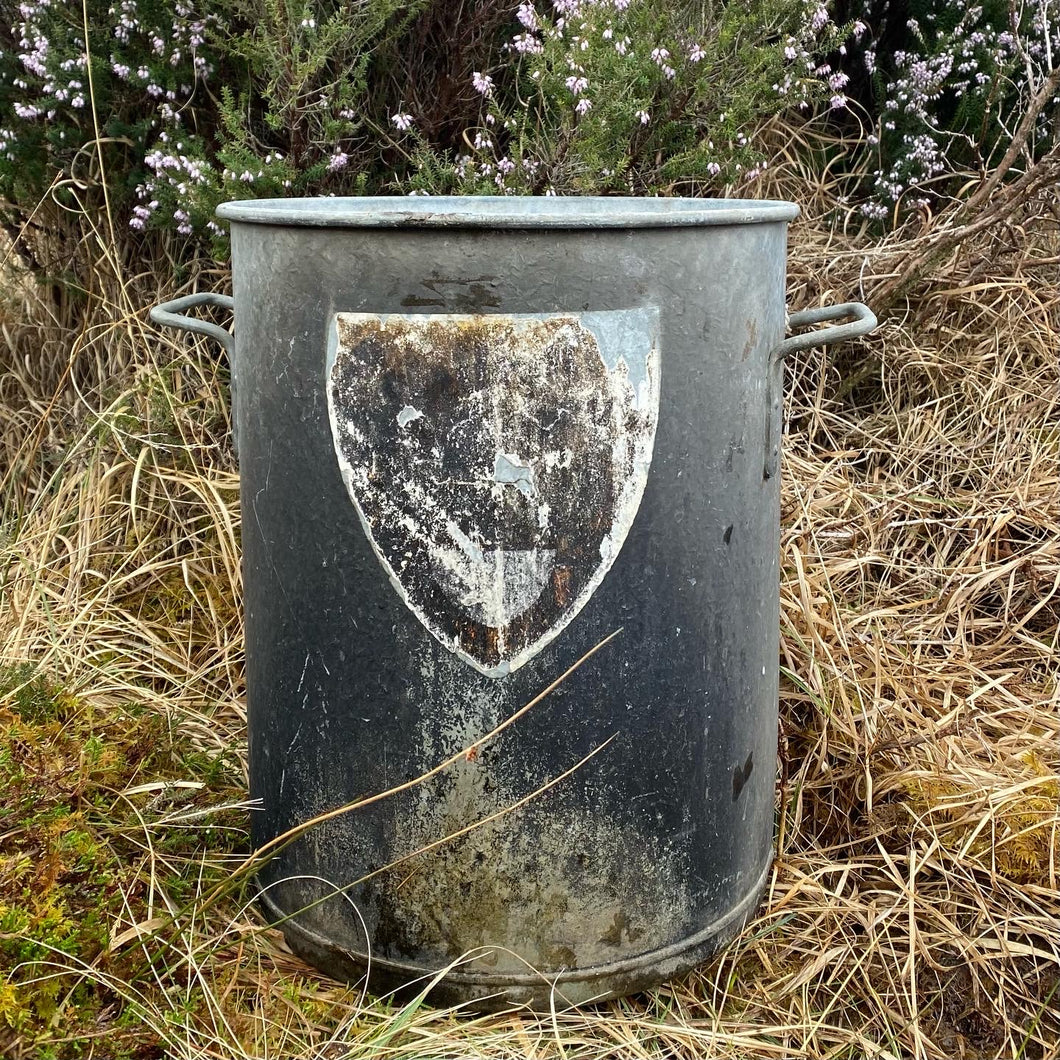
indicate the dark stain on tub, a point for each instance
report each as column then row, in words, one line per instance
column 464, row 293
column 752, row 334
column 741, row 776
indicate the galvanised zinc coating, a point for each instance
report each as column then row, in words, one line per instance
column 479, row 439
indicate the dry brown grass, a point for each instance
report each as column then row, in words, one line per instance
column 914, row 909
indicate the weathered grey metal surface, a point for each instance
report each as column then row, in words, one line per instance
column 506, row 211
column 406, row 592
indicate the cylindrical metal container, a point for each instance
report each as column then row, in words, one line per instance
column 477, row 437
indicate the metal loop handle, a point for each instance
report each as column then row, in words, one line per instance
column 168, row 314
column 864, row 321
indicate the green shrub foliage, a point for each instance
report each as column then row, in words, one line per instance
column 178, row 105
column 173, row 106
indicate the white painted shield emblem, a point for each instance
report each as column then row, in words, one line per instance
column 496, row 462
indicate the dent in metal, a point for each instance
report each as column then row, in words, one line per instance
column 520, row 454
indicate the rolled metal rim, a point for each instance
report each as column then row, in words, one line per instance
column 506, row 211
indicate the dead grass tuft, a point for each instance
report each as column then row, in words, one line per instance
column 914, row 909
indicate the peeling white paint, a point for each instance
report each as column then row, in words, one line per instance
column 508, row 468
column 493, row 586
column 408, row 415
column 558, row 458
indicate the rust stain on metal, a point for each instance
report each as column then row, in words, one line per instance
column 496, row 462
column 412, row 301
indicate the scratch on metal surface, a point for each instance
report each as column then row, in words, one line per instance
column 496, row 462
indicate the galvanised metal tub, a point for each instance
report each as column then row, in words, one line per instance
column 477, row 437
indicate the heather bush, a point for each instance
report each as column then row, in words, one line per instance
column 172, row 106
column 632, row 96
column 198, row 101
column 83, row 90
column 946, row 85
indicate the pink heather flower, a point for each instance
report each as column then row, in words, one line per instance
column 141, row 214
column 527, row 44
column 338, row 161
column 820, row 19
column 659, row 55
column 583, row 105
column 859, row 29
column 642, row 116
column 697, row 54
column 527, row 16
column 482, row 83
column 577, row 85
column 402, row 122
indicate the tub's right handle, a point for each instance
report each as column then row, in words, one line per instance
column 864, row 321
column 169, row 315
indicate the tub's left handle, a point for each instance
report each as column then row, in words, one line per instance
column 863, row 321
column 169, row 315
